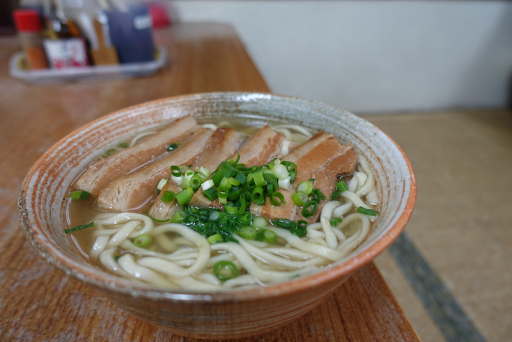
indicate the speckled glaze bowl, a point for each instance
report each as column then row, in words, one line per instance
column 235, row 314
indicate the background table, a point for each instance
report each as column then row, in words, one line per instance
column 39, row 302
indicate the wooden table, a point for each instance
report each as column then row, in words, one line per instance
column 39, row 302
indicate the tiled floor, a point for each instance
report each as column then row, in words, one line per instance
column 462, row 223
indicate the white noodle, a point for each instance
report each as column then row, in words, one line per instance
column 325, row 217
column 139, row 137
column 98, row 246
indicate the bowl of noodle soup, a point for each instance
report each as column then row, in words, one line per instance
column 241, row 309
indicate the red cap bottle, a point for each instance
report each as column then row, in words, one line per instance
column 29, row 28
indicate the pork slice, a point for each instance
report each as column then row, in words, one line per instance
column 135, row 190
column 261, row 148
column 103, row 171
column 221, row 145
column 287, row 209
column 317, row 158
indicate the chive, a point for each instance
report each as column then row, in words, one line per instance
column 318, row 196
column 168, row 196
column 234, row 181
column 247, row 232
column 211, row 193
column 257, row 194
column 299, row 198
column 280, row 171
column 225, row 171
column 142, row 240
column 369, row 212
column 172, row 147
column 79, row 195
column 289, row 165
column 271, row 166
column 284, row 223
column 111, row 152
column 246, row 218
column 175, row 171
column 117, row 257
column 74, row 229
column 276, row 198
column 306, row 212
column 312, row 179
column 341, row 186
column 335, row 195
column 270, row 236
column 302, row 224
column 259, row 222
column 260, row 236
column 305, row 186
column 240, row 177
column 225, row 270
column 243, row 205
column 184, row 196
column 215, row 238
column 335, row 221
column 123, row 145
column 293, row 174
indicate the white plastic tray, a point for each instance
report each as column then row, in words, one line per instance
column 91, row 73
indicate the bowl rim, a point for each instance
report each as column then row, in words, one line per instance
column 106, row 281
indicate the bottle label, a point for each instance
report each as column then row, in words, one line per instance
column 142, row 22
column 65, row 53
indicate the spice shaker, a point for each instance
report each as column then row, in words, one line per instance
column 29, row 29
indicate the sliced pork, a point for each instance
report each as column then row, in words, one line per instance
column 222, row 144
column 322, row 158
column 104, row 171
column 135, row 190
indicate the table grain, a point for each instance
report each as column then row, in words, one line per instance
column 39, row 302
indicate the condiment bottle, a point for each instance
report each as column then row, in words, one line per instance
column 29, row 28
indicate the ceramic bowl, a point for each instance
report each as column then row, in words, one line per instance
column 234, row 314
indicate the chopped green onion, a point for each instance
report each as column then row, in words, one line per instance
column 225, row 171
column 184, row 196
column 335, row 221
column 123, row 145
column 289, row 165
column 369, row 212
column 74, row 229
column 225, row 270
column 305, row 186
column 207, row 184
column 259, row 180
column 142, row 240
column 271, row 165
column 300, row 198
column 175, row 171
column 210, row 193
column 257, row 194
column 312, row 179
column 341, row 186
column 259, row 222
column 307, row 212
column 178, row 217
column 240, row 177
column 172, row 147
column 280, row 171
column 195, row 181
column 161, row 184
column 111, row 152
column 270, row 236
column 204, row 171
column 234, row 181
column 318, row 196
column 302, row 224
column 247, row 232
column 284, row 183
column 231, row 209
column 335, row 194
column 293, row 174
column 284, row 223
column 168, row 196
column 246, row 218
column 276, row 198
column 216, row 238
column 79, row 195
column 116, row 258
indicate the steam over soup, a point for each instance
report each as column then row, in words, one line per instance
column 216, row 207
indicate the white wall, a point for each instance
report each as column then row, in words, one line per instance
column 374, row 56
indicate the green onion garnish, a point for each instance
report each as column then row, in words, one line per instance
column 259, row 222
column 230, row 208
column 259, row 180
column 318, row 196
column 309, row 209
column 247, row 232
column 111, row 152
column 335, row 194
column 225, row 171
column 299, row 198
column 178, row 217
column 276, row 198
column 335, row 221
column 215, row 238
column 225, row 270
column 74, row 229
column 175, row 171
column 79, row 195
column 123, row 145
column 270, row 236
column 302, row 224
column 246, row 218
column 305, row 186
column 184, row 196
column 142, row 240
column 195, row 181
column 289, row 165
column 369, row 212
column 341, row 186
column 168, row 196
column 211, row 193
column 117, row 257
column 172, row 147
column 257, row 194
